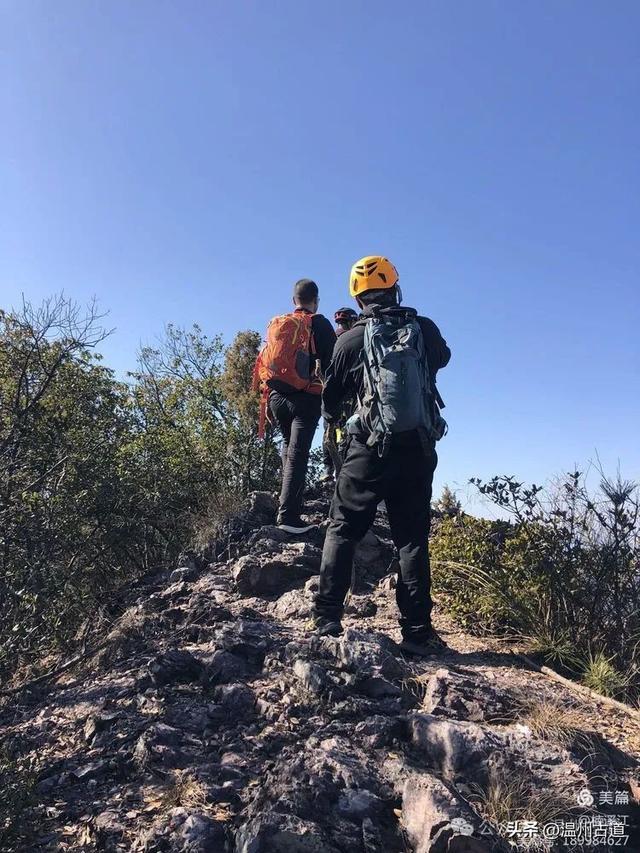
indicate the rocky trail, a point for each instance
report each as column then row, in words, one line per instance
column 212, row 720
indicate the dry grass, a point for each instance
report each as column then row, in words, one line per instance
column 18, row 778
column 550, row 721
column 504, row 801
column 183, row 790
column 189, row 793
column 212, row 523
column 416, row 686
column 601, row 674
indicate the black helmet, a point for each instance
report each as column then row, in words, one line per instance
column 345, row 315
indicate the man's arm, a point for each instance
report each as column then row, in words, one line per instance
column 325, row 339
column 335, row 390
column 438, row 353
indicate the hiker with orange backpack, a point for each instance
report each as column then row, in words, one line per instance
column 289, row 374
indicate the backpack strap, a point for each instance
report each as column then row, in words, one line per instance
column 255, row 376
column 377, row 437
column 313, row 352
column 262, row 411
column 312, row 341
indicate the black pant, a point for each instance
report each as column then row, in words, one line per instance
column 403, row 479
column 297, row 416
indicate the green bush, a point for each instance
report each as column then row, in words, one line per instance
column 562, row 573
column 102, row 481
column 460, row 544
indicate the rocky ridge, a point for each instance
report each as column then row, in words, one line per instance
column 214, row 721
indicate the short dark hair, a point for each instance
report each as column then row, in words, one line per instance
column 305, row 291
column 381, row 296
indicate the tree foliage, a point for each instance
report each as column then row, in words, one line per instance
column 563, row 572
column 448, row 503
column 102, row 480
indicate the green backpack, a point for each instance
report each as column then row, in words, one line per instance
column 399, row 395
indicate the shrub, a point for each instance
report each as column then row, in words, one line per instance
column 562, row 572
column 460, row 545
column 101, row 481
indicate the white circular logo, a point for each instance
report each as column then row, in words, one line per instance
column 585, row 797
column 459, row 824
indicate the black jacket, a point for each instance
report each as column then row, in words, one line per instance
column 324, row 337
column 345, row 375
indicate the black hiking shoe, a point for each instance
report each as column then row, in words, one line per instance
column 324, row 626
column 424, row 645
column 296, row 525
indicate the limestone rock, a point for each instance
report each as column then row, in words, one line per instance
column 463, row 698
column 238, row 700
column 367, row 653
column 434, row 815
column 453, row 748
column 175, row 666
column 183, row 573
column 293, row 604
column 256, row 575
column 224, row 667
column 362, row 606
column 312, row 676
column 282, row 833
column 201, row 834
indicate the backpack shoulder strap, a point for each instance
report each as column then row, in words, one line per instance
column 307, row 320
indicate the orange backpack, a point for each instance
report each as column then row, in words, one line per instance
column 288, row 357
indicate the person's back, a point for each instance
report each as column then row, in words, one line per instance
column 346, row 375
column 344, row 319
column 382, row 463
column 294, row 392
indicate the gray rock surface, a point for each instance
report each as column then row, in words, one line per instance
column 262, row 575
column 215, row 721
column 434, row 814
column 175, row 666
column 460, row 697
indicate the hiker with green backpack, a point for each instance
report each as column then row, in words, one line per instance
column 388, row 360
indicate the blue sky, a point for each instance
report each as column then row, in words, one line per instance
column 188, row 161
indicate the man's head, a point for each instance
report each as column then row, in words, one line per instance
column 344, row 319
column 385, row 298
column 305, row 295
column 374, row 280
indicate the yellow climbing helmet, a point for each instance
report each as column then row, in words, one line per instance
column 372, row 273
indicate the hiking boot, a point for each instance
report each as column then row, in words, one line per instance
column 324, row 626
column 424, row 645
column 296, row 525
